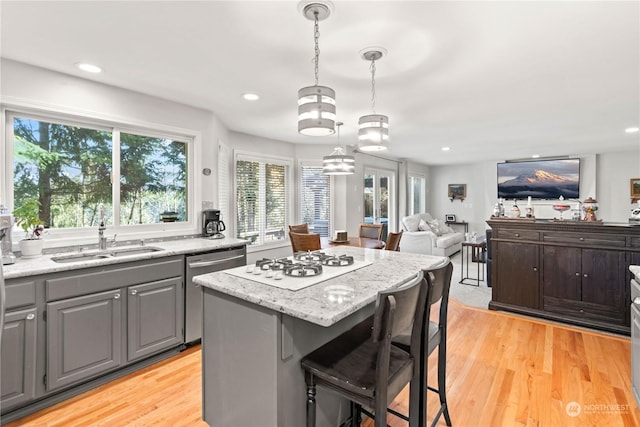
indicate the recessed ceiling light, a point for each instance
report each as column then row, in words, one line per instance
column 251, row 96
column 446, row 148
column 89, row 68
column 632, row 130
column 535, row 156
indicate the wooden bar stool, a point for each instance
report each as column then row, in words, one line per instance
column 438, row 281
column 362, row 364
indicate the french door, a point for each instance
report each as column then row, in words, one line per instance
column 379, row 198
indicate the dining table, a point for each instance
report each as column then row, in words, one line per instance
column 360, row 242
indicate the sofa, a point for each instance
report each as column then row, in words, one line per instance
column 424, row 234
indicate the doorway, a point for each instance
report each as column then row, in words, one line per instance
column 379, row 198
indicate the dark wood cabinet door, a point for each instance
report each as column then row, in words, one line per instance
column 604, row 278
column 562, row 272
column 517, row 274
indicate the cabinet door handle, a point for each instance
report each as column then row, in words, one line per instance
column 636, row 300
column 517, row 234
column 133, row 292
column 581, row 239
column 535, row 268
column 31, row 316
column 116, row 296
column 577, row 273
column 585, row 275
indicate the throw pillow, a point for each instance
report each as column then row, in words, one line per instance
column 435, row 227
column 444, row 228
column 411, row 222
column 423, row 226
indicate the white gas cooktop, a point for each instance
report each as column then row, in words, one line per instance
column 251, row 272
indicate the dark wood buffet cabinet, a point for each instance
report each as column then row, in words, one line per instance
column 573, row 272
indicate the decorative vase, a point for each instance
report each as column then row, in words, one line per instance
column 31, row 248
column 590, row 206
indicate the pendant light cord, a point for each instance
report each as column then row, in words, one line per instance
column 316, row 38
column 373, row 85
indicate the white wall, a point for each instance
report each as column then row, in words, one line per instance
column 602, row 176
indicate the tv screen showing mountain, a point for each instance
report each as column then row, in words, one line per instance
column 544, row 179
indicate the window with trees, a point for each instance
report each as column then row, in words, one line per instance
column 315, row 199
column 73, row 168
column 262, row 199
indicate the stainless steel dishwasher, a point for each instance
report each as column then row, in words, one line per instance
column 202, row 263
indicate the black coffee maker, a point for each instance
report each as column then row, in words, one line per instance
column 212, row 225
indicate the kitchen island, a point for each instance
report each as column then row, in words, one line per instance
column 255, row 334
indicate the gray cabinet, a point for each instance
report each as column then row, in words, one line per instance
column 66, row 331
column 155, row 313
column 18, row 360
column 83, row 337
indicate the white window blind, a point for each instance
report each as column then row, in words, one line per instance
column 224, row 173
column 262, row 199
column 315, row 199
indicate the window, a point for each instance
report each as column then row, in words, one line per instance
column 416, row 194
column 72, row 168
column 262, row 199
column 379, row 198
column 153, row 180
column 224, row 174
column 315, row 199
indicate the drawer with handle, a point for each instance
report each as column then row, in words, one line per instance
column 518, row 234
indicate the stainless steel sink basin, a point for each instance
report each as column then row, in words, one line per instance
column 111, row 253
column 137, row 250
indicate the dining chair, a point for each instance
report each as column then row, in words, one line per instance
column 303, row 242
column 393, row 241
column 371, row 231
column 363, row 366
column 299, row 228
column 438, row 282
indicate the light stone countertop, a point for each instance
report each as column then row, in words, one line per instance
column 389, row 269
column 635, row 269
column 44, row 264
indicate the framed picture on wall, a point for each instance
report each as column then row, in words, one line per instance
column 457, row 191
column 634, row 187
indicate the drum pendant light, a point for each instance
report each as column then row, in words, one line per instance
column 373, row 129
column 316, row 104
column 338, row 163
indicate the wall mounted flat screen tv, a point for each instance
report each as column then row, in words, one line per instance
column 543, row 179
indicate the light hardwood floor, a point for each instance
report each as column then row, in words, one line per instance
column 503, row 370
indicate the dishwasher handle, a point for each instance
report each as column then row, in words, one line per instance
column 200, row 264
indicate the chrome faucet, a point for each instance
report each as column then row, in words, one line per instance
column 102, row 240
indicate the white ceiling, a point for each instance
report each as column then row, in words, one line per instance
column 491, row 80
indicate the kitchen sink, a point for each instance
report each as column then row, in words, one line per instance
column 136, row 250
column 110, row 253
